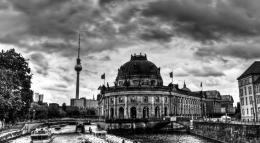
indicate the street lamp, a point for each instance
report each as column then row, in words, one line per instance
column 33, row 114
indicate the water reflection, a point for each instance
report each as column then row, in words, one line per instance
column 168, row 138
column 67, row 135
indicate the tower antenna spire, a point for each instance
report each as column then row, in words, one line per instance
column 79, row 46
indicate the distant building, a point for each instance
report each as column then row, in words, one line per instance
column 249, row 92
column 227, row 104
column 90, row 104
column 213, row 103
column 81, row 103
column 84, row 103
column 38, row 97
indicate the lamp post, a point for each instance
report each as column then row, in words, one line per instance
column 33, row 114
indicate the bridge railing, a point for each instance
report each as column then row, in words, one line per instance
column 133, row 120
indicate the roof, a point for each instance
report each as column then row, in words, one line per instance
column 257, row 81
column 227, row 98
column 253, row 69
column 138, row 66
column 211, row 94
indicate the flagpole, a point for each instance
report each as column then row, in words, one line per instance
column 105, row 81
column 172, row 76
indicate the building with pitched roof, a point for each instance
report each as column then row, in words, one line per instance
column 227, row 104
column 249, row 93
column 213, row 103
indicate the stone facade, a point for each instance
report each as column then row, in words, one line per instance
column 213, row 102
column 227, row 103
column 139, row 93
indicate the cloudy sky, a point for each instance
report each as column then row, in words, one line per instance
column 209, row 41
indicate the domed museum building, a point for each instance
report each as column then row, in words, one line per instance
column 139, row 95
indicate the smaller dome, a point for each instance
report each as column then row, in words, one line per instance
column 185, row 88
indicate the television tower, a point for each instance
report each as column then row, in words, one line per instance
column 78, row 68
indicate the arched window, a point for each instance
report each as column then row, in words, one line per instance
column 157, row 112
column 111, row 113
column 165, row 111
column 121, row 113
column 146, row 112
column 133, row 112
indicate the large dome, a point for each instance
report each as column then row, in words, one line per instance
column 139, row 67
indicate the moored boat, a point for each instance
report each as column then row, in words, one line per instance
column 41, row 135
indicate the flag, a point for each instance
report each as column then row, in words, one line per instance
column 171, row 74
column 103, row 76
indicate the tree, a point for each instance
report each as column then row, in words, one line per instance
column 64, row 107
column 53, row 112
column 15, row 85
column 238, row 111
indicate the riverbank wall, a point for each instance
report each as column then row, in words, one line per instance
column 15, row 133
column 226, row 132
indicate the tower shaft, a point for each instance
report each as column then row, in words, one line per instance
column 77, row 86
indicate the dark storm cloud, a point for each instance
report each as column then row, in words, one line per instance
column 88, row 72
column 4, row 5
column 208, row 19
column 54, row 26
column 55, row 18
column 156, row 35
column 60, row 85
column 40, row 62
column 105, row 58
column 67, row 78
column 56, row 89
column 242, row 51
column 205, row 71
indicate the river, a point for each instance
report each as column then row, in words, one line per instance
column 66, row 135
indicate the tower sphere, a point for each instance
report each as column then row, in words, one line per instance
column 78, row 67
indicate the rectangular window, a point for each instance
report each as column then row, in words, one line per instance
column 245, row 91
column 242, row 101
column 120, row 100
column 111, row 100
column 241, row 92
column 250, row 90
column 250, row 100
column 132, row 99
column 246, row 100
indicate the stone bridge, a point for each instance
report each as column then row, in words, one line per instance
column 69, row 121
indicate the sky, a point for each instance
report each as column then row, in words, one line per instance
column 208, row 41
